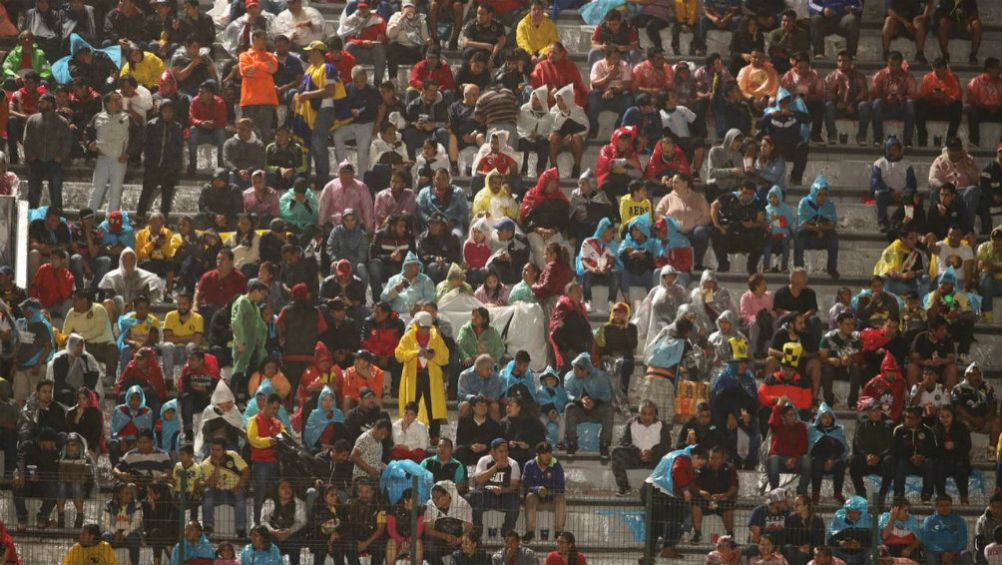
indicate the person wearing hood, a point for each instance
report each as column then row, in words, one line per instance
column 886, row 389
column 127, row 420
column 301, row 326
column 109, row 138
column 617, row 340
column 544, row 211
column 817, row 221
column 849, row 533
column 589, row 395
column 598, row 262
column 828, row 452
column 261, row 550
column 618, row 162
column 243, row 154
column 973, row 401
column 948, row 302
column 143, row 369
column 35, row 348
column 659, row 307
column 734, row 400
column 781, row 221
column 728, row 327
column 667, row 160
column 569, row 331
column 725, row 165
column 893, row 93
column 298, row 206
column 944, row 534
column 787, row 122
column 710, row 301
column 984, row 529
column 76, row 476
column 611, row 87
column 448, row 520
column 220, row 198
column 423, row 354
column 891, row 177
column 670, row 488
column 569, row 124
column 71, row 369
column 194, row 546
column 637, row 253
column 221, row 419
column 534, row 126
column 322, row 373
column 406, row 288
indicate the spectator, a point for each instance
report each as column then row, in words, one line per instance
column 671, row 486
column 717, row 490
column 900, row 531
column 829, row 452
column 421, row 381
column 816, row 213
column 207, row 118
column 496, row 486
column 261, row 549
column 766, row 553
column 733, row 400
column 258, row 96
column 849, row 532
column 122, row 521
column 840, row 17
column 90, row 547
column 769, row 518
column 543, row 477
column 555, row 72
column 957, row 19
column 957, row 167
column 109, row 139
column 759, row 80
column 717, row 15
column 891, row 177
column 987, row 522
column 590, row 400
column 984, row 102
column 954, row 441
column 914, row 447
column 989, row 256
column 611, row 89
column 448, row 520
column 726, row 552
column 944, row 534
column 939, row 98
column 362, row 104
column 791, row 37
column 536, row 33
column 738, row 220
column 46, row 146
column 789, row 449
column 804, row 82
column 243, row 153
column 804, row 530
column 909, row 20
column 847, row 96
column 893, row 94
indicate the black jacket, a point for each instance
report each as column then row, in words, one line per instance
column 163, row 146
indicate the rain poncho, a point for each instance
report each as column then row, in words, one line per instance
column 731, row 391
column 538, row 196
column 32, row 312
column 610, row 157
column 551, row 395
column 319, row 419
column 127, row 422
column 61, row 68
column 497, row 205
column 665, row 349
column 503, row 149
column 221, row 395
column 901, row 528
column 70, row 371
column 531, row 120
column 720, row 341
column 130, row 283
column 510, row 382
column 151, row 379
column 784, row 128
column 648, row 245
column 780, row 216
column 168, row 431
column 596, row 386
column 841, row 527
column 659, row 307
column 816, row 434
column 250, row 331
column 407, row 354
column 421, row 288
column 459, row 509
column 708, row 307
column 575, row 116
column 596, row 254
column 200, row 550
column 886, row 389
column 661, row 477
column 262, row 394
column 810, row 211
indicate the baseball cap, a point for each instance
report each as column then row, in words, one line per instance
column 498, row 442
column 776, row 495
column 365, row 392
column 343, row 267
column 316, row 46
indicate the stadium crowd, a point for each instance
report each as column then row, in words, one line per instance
column 241, row 354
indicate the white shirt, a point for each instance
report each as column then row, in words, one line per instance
column 645, row 437
column 944, row 259
column 678, row 121
column 414, row 437
column 295, row 26
column 936, row 397
column 993, row 554
column 486, row 462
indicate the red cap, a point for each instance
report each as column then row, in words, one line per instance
column 343, row 267
column 250, row 3
column 300, row 292
column 361, row 5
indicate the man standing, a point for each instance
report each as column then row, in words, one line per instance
column 162, row 150
column 258, row 97
column 47, row 141
column 249, row 333
column 261, row 432
column 320, row 89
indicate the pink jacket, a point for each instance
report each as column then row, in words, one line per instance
column 690, row 212
column 962, row 174
column 335, row 199
column 386, row 205
column 751, row 305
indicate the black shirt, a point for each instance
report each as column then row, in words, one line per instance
column 782, row 337
column 928, row 349
column 490, row 33
column 784, row 300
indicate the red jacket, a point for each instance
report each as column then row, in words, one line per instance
column 370, row 33
column 609, row 153
column 657, row 166
column 774, row 387
column 263, row 428
column 885, row 388
column 51, row 286
column 381, row 339
column 344, row 65
column 200, row 112
column 442, row 74
column 787, row 441
column 682, row 474
column 552, row 281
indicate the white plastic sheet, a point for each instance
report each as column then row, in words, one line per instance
column 522, row 325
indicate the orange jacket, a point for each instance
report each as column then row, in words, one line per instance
column 950, row 86
column 257, row 70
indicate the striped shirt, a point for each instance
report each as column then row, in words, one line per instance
column 497, row 107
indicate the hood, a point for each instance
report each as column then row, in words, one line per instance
column 542, row 94
column 222, row 393
column 77, row 43
column 566, row 93
column 487, row 183
column 603, row 224
column 72, row 341
column 126, row 224
column 825, row 409
column 351, row 212
column 729, row 138
column 321, row 354
column 126, row 252
column 449, row 487
column 264, row 389
column 167, row 79
column 642, row 223
column 891, row 141
column 545, row 178
column 889, row 364
column 78, row 439
column 170, row 405
column 781, row 94
column 729, row 316
column 775, row 190
column 481, row 225
column 133, row 391
column 665, row 271
column 549, row 372
column 949, row 276
column 324, row 393
column 857, row 503
column 456, row 272
column 630, row 131
column 819, row 183
column 583, row 360
column 410, row 259
column 708, row 275
column 502, row 136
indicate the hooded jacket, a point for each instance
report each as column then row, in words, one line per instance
column 786, row 130
column 610, row 157
column 941, row 534
column 167, row 430
column 532, row 121
column 889, row 393
column 596, row 386
column 127, row 423
column 842, row 528
column 421, row 288
column 827, row 442
column 162, row 145
column 320, row 420
column 664, row 163
column 201, row 549
column 888, row 175
column 723, row 163
column 810, row 211
column 39, row 64
column 215, row 421
column 542, row 208
column 780, row 217
column 381, row 338
column 575, row 112
column 673, row 473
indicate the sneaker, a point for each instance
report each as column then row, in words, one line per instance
column 603, row 453
column 697, row 537
column 624, row 491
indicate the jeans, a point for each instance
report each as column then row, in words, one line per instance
column 48, row 171
column 590, row 279
column 955, row 467
column 776, row 246
column 847, row 26
column 883, row 199
column 990, row 288
column 775, row 464
column 213, row 497
column 818, row 473
column 199, row 136
column 627, row 457
column 903, row 468
column 361, row 133
column 98, row 265
column 628, row 279
column 133, row 542
column 653, row 26
column 264, row 475
column 884, row 111
column 667, row 518
column 374, row 55
column 862, row 115
column 263, row 116
column 859, row 469
column 507, row 503
column 925, row 111
column 109, row 175
column 704, row 26
column 976, row 115
column 617, row 104
column 829, row 241
column 157, row 179
column 699, row 237
column 45, row 490
column 602, row 414
column 174, row 355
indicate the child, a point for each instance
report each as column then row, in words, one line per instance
column 552, row 401
column 843, row 303
column 476, row 251
column 160, row 516
column 634, row 204
column 271, row 371
column 328, row 520
column 226, row 555
column 588, row 207
column 194, row 479
column 781, row 221
column 398, row 526
column 913, row 318
column 168, row 429
column 76, row 475
column 618, row 338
